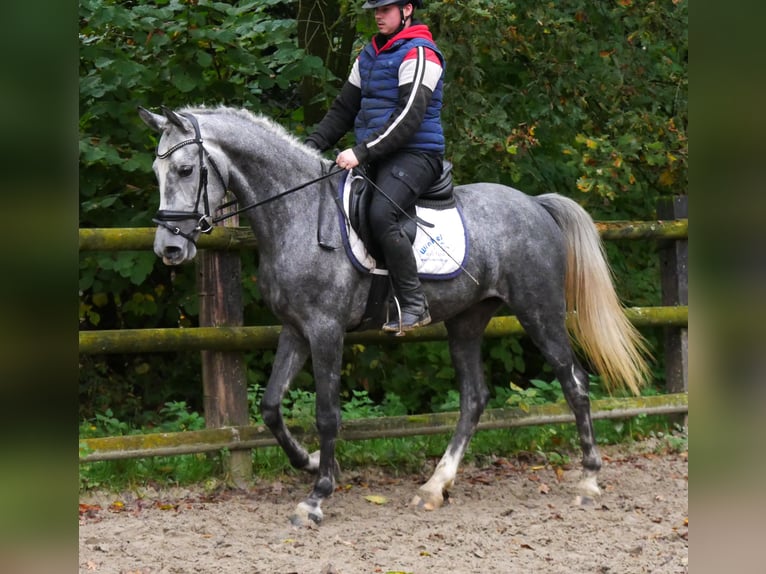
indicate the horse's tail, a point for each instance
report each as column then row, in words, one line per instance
column 598, row 321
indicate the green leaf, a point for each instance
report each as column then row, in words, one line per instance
column 184, row 81
column 204, row 59
column 542, row 385
column 142, row 267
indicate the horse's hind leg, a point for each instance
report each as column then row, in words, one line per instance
column 574, row 383
column 465, row 333
column 551, row 337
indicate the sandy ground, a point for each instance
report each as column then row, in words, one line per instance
column 508, row 516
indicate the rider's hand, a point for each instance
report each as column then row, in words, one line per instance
column 347, row 159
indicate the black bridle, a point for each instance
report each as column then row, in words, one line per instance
column 163, row 217
column 204, row 220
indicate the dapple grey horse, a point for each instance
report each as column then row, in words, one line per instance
column 541, row 256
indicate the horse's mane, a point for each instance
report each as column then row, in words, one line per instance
column 260, row 120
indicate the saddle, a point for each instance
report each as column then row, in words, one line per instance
column 440, row 250
column 439, row 196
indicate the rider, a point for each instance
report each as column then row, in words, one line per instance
column 393, row 100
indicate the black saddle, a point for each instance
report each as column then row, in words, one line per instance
column 438, row 196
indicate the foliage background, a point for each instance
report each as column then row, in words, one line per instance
column 585, row 99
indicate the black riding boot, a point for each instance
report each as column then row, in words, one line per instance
column 402, row 268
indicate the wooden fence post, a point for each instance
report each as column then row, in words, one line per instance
column 224, row 374
column 674, row 259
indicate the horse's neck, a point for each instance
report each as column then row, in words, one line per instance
column 266, row 168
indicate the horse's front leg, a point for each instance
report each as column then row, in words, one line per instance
column 474, row 395
column 292, row 352
column 326, row 352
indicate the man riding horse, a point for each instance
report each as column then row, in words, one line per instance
column 392, row 99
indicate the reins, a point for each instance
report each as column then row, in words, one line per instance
column 273, row 198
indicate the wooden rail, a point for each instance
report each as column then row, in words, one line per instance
column 249, row 437
column 265, row 337
column 239, row 238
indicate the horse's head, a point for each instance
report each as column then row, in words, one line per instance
column 187, row 194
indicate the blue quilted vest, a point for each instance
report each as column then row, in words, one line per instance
column 380, row 95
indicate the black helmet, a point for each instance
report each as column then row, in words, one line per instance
column 379, row 3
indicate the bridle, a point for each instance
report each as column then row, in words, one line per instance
column 205, row 221
column 164, row 217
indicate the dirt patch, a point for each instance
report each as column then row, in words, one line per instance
column 507, row 516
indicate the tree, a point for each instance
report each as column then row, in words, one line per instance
column 586, row 99
column 327, row 30
column 171, row 53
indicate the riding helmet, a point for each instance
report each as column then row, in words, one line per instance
column 379, row 3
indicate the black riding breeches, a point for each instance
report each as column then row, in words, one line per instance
column 403, row 177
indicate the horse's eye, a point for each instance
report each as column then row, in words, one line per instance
column 185, row 170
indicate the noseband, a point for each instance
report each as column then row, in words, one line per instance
column 163, row 217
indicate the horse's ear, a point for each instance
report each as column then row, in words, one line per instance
column 175, row 119
column 154, row 121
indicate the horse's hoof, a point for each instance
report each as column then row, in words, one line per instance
column 306, row 516
column 309, row 521
column 588, row 486
column 418, row 503
column 584, row 501
column 587, row 490
column 425, row 500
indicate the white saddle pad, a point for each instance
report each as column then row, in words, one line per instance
column 439, row 250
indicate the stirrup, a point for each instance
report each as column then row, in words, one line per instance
column 398, row 327
column 390, row 322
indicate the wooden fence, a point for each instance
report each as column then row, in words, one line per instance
column 223, row 339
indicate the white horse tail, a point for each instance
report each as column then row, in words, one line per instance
column 597, row 321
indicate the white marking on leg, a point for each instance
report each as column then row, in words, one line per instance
column 588, row 485
column 313, row 464
column 444, row 474
column 581, row 386
column 432, row 492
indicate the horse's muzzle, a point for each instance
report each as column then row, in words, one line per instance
column 173, row 249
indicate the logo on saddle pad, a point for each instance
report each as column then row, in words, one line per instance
column 440, row 243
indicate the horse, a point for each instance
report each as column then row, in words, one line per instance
column 541, row 256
